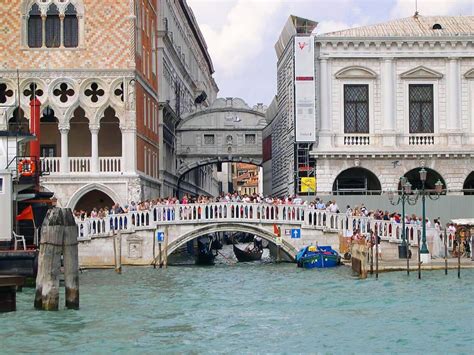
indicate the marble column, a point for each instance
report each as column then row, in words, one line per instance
column 64, row 165
column 94, row 149
column 129, row 150
column 453, row 78
column 388, row 97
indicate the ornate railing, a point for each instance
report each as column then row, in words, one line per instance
column 299, row 215
column 50, row 165
column 79, row 165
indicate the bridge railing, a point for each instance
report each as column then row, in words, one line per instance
column 300, row 215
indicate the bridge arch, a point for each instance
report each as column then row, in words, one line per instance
column 227, row 131
column 230, row 227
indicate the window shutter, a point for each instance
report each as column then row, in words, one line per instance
column 53, row 27
column 35, row 28
column 71, row 27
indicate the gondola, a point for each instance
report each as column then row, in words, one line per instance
column 253, row 254
column 205, row 256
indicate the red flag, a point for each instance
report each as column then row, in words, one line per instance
column 276, row 230
column 26, row 214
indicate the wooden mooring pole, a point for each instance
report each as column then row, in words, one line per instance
column 445, row 252
column 118, row 252
column 59, row 236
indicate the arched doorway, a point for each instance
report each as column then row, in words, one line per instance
column 357, row 181
column 94, row 199
column 50, row 141
column 79, row 135
column 432, row 176
column 110, row 135
column 468, row 186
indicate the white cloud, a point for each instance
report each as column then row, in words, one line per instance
column 405, row 8
column 233, row 45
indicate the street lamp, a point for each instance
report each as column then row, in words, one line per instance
column 438, row 190
column 404, row 196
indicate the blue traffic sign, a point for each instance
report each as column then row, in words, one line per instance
column 160, row 236
column 296, row 233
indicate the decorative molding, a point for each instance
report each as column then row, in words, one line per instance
column 469, row 74
column 356, row 72
column 421, row 72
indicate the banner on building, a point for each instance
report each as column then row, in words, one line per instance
column 305, row 92
column 308, row 184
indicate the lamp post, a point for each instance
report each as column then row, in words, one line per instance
column 424, row 252
column 404, row 196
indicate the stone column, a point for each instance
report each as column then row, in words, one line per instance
column 325, row 126
column 388, row 96
column 129, row 150
column 453, row 119
column 61, row 19
column 95, row 149
column 64, row 166
column 43, row 33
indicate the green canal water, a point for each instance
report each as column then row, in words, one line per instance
column 251, row 308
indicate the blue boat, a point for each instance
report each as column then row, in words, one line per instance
column 317, row 257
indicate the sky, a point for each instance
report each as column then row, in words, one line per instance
column 240, row 34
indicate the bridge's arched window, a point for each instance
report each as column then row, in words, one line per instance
column 35, row 27
column 53, row 27
column 71, row 27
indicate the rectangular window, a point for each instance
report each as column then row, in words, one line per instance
column 421, row 108
column 356, row 108
column 1, row 185
column 48, row 150
column 145, row 118
column 209, row 139
column 35, row 31
column 250, row 139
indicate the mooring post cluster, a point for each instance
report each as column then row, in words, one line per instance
column 58, row 237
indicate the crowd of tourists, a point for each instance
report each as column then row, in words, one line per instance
column 317, row 204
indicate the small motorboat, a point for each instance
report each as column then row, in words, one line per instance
column 252, row 254
column 317, row 257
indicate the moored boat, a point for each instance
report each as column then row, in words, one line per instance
column 205, row 256
column 253, row 254
column 317, row 257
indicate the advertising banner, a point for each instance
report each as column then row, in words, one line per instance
column 308, row 184
column 305, row 93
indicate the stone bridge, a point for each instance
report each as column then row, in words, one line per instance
column 227, row 131
column 183, row 223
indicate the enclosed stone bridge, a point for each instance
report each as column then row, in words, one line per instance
column 183, row 223
column 227, row 131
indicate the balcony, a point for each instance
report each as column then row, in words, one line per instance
column 81, row 165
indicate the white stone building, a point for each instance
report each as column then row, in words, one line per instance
column 392, row 98
column 395, row 97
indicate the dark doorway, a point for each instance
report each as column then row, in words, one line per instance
column 468, row 186
column 357, row 181
column 94, row 199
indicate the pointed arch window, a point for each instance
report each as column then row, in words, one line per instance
column 35, row 27
column 53, row 27
column 71, row 27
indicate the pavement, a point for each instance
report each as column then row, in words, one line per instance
column 436, row 264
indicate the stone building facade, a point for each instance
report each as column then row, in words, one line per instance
column 392, row 98
column 185, row 69
column 94, row 67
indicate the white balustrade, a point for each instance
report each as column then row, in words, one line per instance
column 421, row 139
column 50, row 164
column 301, row 216
column 110, row 164
column 80, row 165
column 363, row 139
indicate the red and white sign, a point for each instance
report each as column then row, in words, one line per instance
column 305, row 91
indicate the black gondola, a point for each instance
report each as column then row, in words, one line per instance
column 205, row 256
column 253, row 254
